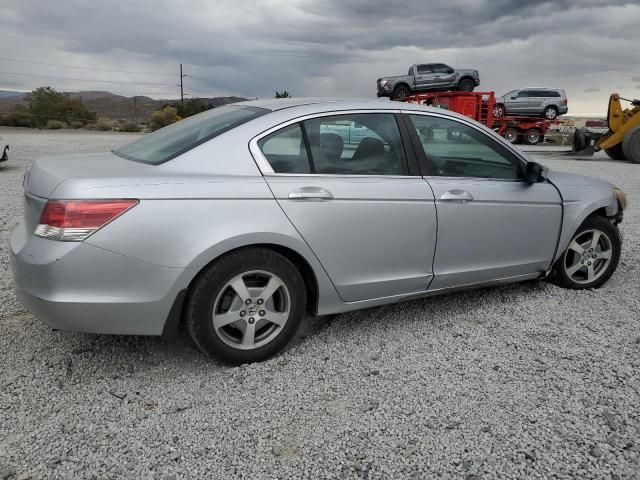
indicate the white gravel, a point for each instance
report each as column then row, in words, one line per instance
column 522, row 381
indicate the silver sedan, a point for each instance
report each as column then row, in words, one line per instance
column 239, row 221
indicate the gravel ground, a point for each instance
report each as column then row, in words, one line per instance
column 522, row 381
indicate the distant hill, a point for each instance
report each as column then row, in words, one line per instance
column 109, row 105
column 9, row 93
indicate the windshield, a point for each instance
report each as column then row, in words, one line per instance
column 509, row 93
column 177, row 138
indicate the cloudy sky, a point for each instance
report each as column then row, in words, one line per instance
column 316, row 47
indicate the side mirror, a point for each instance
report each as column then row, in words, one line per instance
column 450, row 70
column 535, row 173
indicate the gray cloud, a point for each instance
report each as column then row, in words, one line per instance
column 332, row 47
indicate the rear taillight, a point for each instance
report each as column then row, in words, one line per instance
column 565, row 101
column 75, row 220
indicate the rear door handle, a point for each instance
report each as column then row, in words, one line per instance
column 456, row 196
column 317, row 194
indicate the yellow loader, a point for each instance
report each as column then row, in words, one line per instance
column 622, row 141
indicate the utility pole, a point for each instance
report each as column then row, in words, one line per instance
column 181, row 86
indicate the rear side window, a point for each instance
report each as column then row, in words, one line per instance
column 180, row 137
column 285, row 150
column 347, row 144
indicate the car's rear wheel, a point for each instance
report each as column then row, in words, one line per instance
column 466, row 85
column 591, row 257
column 498, row 110
column 550, row 113
column 246, row 306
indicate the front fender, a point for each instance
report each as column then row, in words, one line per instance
column 578, row 203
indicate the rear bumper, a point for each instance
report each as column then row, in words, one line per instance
column 563, row 109
column 79, row 287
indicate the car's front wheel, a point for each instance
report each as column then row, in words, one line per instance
column 246, row 306
column 591, row 257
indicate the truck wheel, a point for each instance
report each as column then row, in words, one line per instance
column 466, row 85
column 579, row 140
column 550, row 113
column 615, row 152
column 511, row 135
column 631, row 145
column 400, row 93
column 532, row 136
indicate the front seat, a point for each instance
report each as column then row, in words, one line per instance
column 369, row 148
column 331, row 145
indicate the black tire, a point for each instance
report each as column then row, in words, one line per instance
column 401, row 92
column 559, row 275
column 579, row 140
column 550, row 113
column 615, row 152
column 512, row 135
column 498, row 110
column 532, row 136
column 208, row 287
column 466, row 85
column 631, row 145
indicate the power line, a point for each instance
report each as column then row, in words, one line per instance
column 86, row 79
column 86, row 68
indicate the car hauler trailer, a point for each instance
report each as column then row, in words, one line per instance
column 480, row 107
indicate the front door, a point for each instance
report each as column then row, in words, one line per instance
column 518, row 103
column 370, row 220
column 444, row 76
column 491, row 224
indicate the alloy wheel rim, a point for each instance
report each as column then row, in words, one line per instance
column 551, row 114
column 497, row 112
column 251, row 310
column 588, row 256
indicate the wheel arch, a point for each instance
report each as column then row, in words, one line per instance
column 316, row 281
column 574, row 215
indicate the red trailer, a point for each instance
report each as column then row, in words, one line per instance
column 480, row 107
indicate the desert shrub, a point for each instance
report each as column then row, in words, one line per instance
column 164, row 117
column 76, row 124
column 55, row 125
column 104, row 124
column 129, row 127
column 18, row 118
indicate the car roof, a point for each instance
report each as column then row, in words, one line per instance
column 320, row 104
column 541, row 88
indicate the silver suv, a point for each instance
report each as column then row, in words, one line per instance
column 545, row 102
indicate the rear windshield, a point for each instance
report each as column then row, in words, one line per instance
column 177, row 138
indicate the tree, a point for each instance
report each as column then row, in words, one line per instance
column 192, row 106
column 46, row 104
column 283, row 94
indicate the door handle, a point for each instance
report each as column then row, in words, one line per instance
column 317, row 194
column 456, row 196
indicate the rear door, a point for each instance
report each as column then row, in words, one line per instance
column 425, row 77
column 492, row 225
column 362, row 207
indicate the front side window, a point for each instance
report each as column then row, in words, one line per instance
column 350, row 144
column 180, row 137
column 441, row 68
column 523, row 94
column 457, row 150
